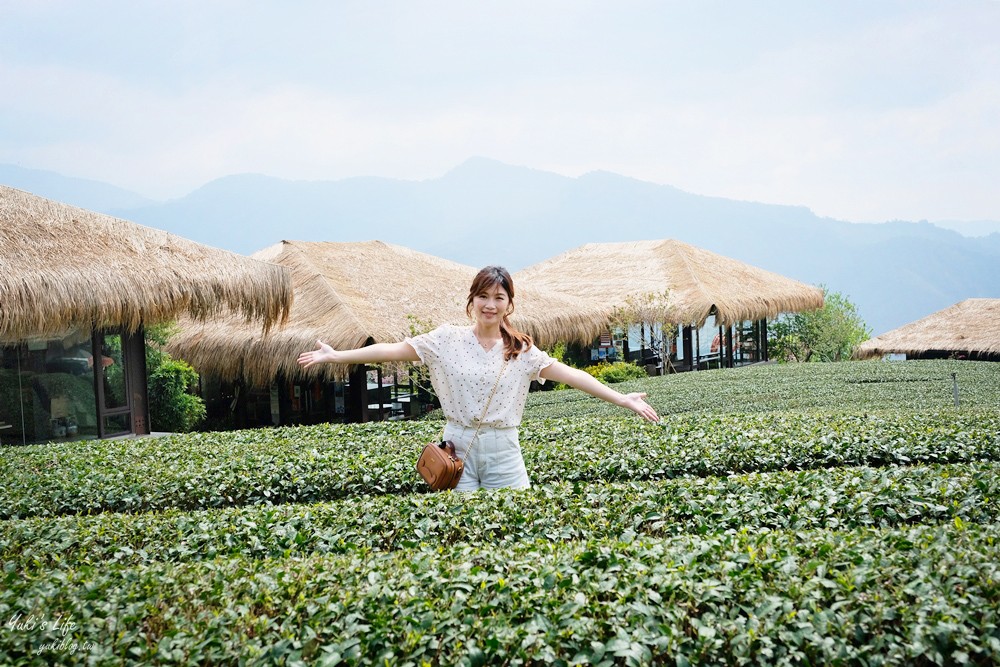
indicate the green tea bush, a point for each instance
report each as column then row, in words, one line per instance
column 325, row 462
column 834, row 387
column 838, row 498
column 841, row 514
column 902, row 596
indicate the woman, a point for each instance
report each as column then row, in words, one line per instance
column 489, row 363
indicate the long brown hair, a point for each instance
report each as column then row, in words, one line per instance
column 514, row 341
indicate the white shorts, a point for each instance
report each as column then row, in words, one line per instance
column 495, row 462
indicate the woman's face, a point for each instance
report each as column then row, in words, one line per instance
column 489, row 306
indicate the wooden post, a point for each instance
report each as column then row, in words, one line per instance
column 697, row 349
column 134, row 351
column 763, row 340
column 687, row 347
column 282, row 384
column 730, row 361
column 721, row 334
column 356, row 399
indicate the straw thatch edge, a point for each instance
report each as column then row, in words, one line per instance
column 63, row 267
column 970, row 327
column 673, row 282
column 348, row 315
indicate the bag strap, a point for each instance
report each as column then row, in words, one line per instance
column 489, row 400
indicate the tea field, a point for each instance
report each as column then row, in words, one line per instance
column 842, row 514
column 854, row 386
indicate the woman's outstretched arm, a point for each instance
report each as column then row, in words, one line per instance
column 574, row 377
column 371, row 354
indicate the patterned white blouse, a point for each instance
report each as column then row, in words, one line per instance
column 463, row 373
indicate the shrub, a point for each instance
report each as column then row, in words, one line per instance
column 171, row 405
column 619, row 371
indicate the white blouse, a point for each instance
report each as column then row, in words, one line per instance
column 463, row 373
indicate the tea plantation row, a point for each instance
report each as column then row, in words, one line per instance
column 864, row 385
column 310, row 464
column 901, row 596
column 844, row 498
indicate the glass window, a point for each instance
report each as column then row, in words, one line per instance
column 47, row 389
column 117, row 424
column 113, row 366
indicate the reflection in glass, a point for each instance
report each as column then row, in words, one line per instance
column 112, row 363
column 47, row 389
column 117, row 424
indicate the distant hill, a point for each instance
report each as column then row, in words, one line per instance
column 971, row 227
column 91, row 195
column 485, row 212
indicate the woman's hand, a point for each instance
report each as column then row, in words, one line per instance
column 636, row 404
column 323, row 354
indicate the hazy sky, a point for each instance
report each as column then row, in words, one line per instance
column 861, row 110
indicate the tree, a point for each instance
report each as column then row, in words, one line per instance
column 652, row 309
column 828, row 334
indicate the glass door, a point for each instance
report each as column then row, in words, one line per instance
column 114, row 409
column 120, row 382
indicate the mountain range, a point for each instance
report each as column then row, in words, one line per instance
column 486, row 212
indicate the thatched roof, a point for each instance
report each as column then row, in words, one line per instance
column 63, row 267
column 970, row 327
column 347, row 294
column 636, row 275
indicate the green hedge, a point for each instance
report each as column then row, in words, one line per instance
column 917, row 595
column 309, row 464
column 619, row 371
column 172, row 406
column 842, row 498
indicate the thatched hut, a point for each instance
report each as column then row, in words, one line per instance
column 969, row 329
column 76, row 286
column 671, row 281
column 350, row 295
